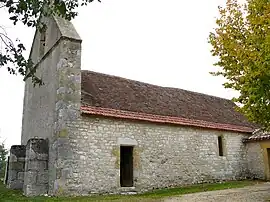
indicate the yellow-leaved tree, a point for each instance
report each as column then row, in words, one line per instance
column 241, row 44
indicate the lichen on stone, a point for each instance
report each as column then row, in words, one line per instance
column 116, row 153
column 63, row 133
column 136, row 157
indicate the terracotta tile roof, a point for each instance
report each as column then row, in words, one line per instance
column 258, row 135
column 124, row 98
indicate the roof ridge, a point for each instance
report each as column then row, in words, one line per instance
column 142, row 82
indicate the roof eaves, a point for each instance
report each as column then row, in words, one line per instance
column 163, row 119
column 258, row 135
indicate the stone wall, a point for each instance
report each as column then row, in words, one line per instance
column 255, row 160
column 47, row 108
column 84, row 151
column 164, row 155
column 16, row 167
column 40, row 101
column 36, row 168
column 68, row 102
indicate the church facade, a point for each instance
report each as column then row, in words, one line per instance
column 85, row 132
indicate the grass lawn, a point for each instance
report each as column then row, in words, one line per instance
column 8, row 195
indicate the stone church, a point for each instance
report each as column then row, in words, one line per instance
column 85, row 132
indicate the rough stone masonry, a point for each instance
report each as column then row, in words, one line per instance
column 85, row 132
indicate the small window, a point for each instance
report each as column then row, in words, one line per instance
column 42, row 43
column 220, row 146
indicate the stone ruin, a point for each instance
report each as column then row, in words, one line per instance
column 27, row 167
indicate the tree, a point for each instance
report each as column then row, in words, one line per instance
column 29, row 13
column 241, row 43
column 3, row 155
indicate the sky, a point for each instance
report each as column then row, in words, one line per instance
column 154, row 41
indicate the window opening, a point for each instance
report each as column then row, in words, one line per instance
column 220, row 146
column 42, row 43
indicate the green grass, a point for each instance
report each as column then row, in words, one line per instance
column 8, row 195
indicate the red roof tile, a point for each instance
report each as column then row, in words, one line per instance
column 124, row 98
column 258, row 135
column 162, row 119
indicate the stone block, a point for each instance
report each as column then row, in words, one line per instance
column 20, row 176
column 19, row 166
column 39, row 146
column 66, row 173
column 16, row 184
column 18, row 150
column 13, row 158
column 42, row 157
column 16, row 167
column 31, row 154
column 126, row 141
column 37, row 165
column 21, row 159
column 36, row 176
column 12, row 175
column 30, row 177
column 35, row 190
column 42, row 178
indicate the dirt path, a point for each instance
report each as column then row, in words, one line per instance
column 256, row 193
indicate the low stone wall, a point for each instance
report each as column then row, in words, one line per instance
column 36, row 168
column 16, row 167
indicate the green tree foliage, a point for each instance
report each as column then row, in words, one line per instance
column 3, row 155
column 241, row 43
column 28, row 12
